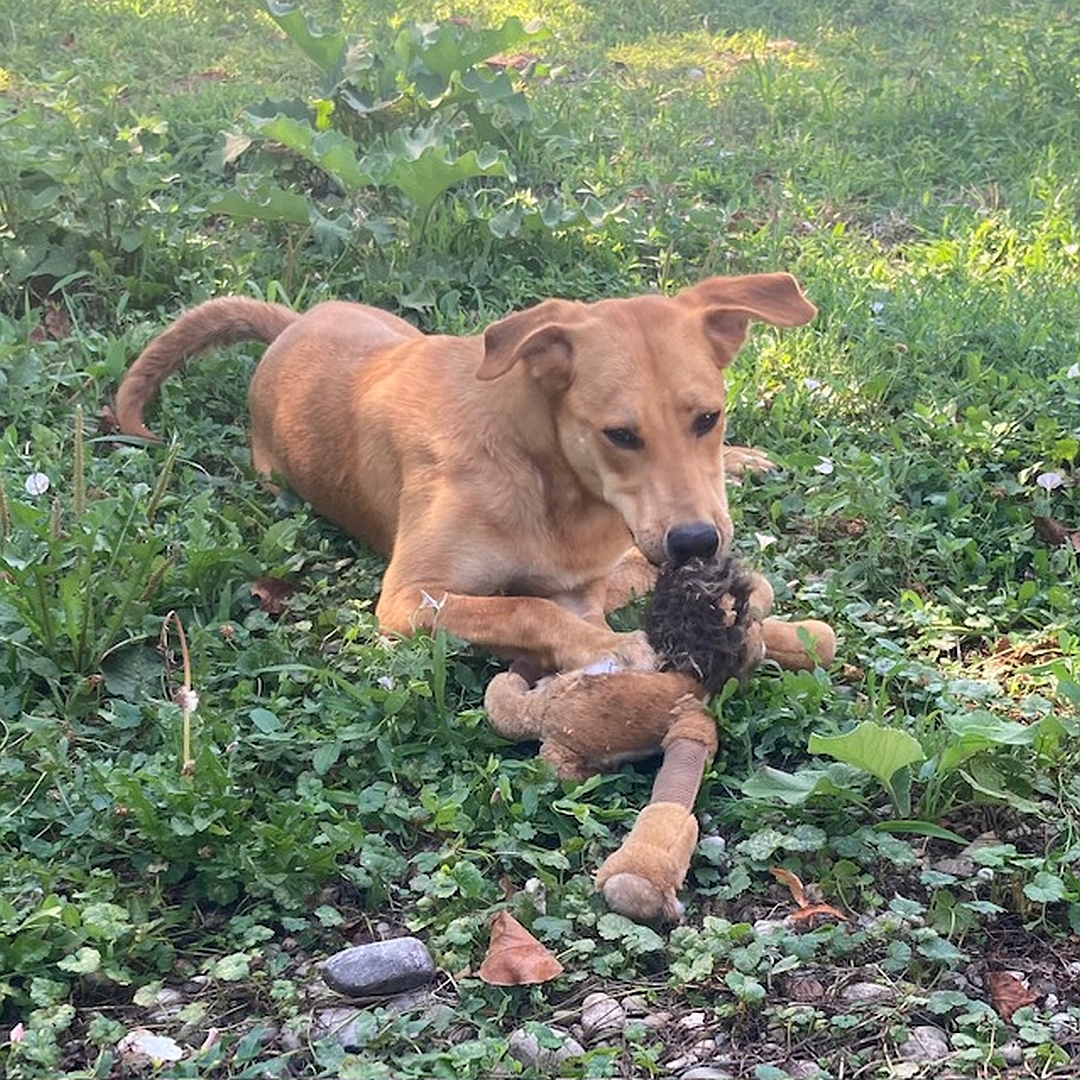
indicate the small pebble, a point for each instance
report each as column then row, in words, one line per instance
column 525, row 1047
column 601, row 1016
column 865, row 993
column 926, row 1043
column 692, row 1021
column 1012, row 1053
column 339, row 1024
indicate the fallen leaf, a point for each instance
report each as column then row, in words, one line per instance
column 1056, row 534
column 810, row 910
column 272, row 594
column 806, row 909
column 1008, row 993
column 786, row 877
column 514, row 957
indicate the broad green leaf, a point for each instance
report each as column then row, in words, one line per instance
column 424, row 178
column 325, row 757
column 326, row 50
column 132, row 671
column 232, row 968
column 331, row 151
column 745, row 987
column 768, row 784
column 265, row 203
column 1046, row 888
column 634, row 937
column 447, row 47
column 105, row 921
column 83, row 962
column 878, row 750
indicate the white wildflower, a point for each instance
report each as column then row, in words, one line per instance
column 37, row 483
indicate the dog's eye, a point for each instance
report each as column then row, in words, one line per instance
column 623, row 438
column 704, row 423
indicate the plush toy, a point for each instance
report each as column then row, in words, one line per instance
column 707, row 622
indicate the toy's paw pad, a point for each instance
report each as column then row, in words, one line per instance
column 639, row 899
column 744, row 459
column 634, row 653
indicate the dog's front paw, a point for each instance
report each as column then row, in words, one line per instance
column 634, row 653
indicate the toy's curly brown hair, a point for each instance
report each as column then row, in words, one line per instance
column 698, row 618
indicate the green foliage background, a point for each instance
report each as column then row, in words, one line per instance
column 913, row 163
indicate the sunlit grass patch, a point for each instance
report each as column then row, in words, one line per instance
column 698, row 56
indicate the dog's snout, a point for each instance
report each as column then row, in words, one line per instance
column 697, row 539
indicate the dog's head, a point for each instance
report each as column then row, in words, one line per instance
column 636, row 389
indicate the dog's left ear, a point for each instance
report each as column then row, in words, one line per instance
column 728, row 304
column 538, row 336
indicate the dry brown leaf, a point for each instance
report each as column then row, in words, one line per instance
column 272, row 594
column 806, row 909
column 1008, row 993
column 514, row 957
column 1056, row 534
column 786, row 877
column 810, row 910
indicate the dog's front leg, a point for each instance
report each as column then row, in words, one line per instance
column 516, row 627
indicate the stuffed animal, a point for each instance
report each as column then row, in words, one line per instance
column 707, row 622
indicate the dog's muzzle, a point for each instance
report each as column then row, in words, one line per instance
column 697, row 539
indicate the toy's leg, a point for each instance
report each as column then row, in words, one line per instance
column 642, row 878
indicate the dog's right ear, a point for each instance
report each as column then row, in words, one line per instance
column 538, row 337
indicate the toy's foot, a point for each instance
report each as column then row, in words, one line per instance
column 743, row 459
column 641, row 879
column 640, row 900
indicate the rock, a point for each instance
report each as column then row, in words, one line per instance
column 765, row 928
column 341, row 1024
column 657, row 1019
column 925, row 1043
column 380, row 969
column 601, row 1016
column 805, row 1069
column 141, row 1049
column 692, row 1021
column 1064, row 1027
column 866, row 993
column 706, row 1072
column 168, row 1003
column 524, row 1046
column 1012, row 1053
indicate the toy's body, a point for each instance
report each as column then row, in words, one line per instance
column 707, row 623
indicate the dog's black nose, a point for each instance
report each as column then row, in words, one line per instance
column 698, row 539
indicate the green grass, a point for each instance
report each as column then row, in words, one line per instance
column 915, row 165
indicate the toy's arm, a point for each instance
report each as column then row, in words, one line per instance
column 641, row 879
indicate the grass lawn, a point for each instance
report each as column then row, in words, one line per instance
column 914, row 164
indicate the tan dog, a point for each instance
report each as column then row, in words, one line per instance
column 504, row 475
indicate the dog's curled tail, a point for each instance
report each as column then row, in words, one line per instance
column 215, row 323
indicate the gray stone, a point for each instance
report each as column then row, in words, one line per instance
column 524, row 1046
column 926, row 1043
column 866, row 993
column 341, row 1024
column 601, row 1017
column 706, row 1072
column 805, row 1069
column 1064, row 1027
column 380, row 969
column 1012, row 1053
